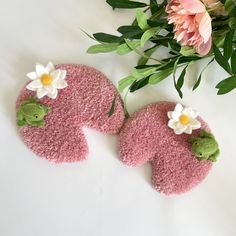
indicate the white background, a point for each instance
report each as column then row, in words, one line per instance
column 101, row 196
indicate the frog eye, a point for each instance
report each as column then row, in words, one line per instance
column 200, row 154
column 36, row 116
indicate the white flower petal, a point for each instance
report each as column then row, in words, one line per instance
column 181, row 127
column 175, row 115
column 60, row 84
column 188, row 130
column 53, row 95
column 35, row 84
column 194, row 114
column 30, row 88
column 172, row 124
column 41, row 92
column 55, row 74
column 178, row 131
column 32, row 75
column 169, row 114
column 178, row 107
column 63, row 74
column 40, row 70
column 50, row 88
column 195, row 124
column 188, row 111
column 50, row 67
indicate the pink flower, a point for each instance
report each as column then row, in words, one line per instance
column 192, row 24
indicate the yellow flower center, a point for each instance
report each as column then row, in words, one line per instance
column 184, row 119
column 46, row 79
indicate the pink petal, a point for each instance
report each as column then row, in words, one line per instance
column 193, row 6
column 205, row 27
column 204, row 48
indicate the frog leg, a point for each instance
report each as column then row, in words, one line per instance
column 205, row 134
column 29, row 100
column 214, row 156
column 39, row 124
column 21, row 123
column 20, row 119
column 19, row 115
column 32, row 100
column 193, row 139
column 47, row 109
column 203, row 158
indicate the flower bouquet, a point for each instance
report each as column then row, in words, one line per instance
column 190, row 30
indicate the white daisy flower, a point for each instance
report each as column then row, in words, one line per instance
column 183, row 120
column 47, row 80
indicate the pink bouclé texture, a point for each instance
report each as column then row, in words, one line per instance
column 146, row 137
column 84, row 103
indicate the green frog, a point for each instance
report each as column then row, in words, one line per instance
column 205, row 147
column 31, row 112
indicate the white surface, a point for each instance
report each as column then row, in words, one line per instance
column 101, row 196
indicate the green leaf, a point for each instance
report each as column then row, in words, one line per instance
column 148, row 52
column 125, row 4
column 149, row 34
column 174, row 71
column 187, row 51
column 139, row 73
column 124, row 48
column 130, row 44
column 226, row 85
column 160, row 23
column 180, row 81
column 112, row 109
column 158, row 77
column 142, row 19
column 221, row 60
column 175, row 66
column 157, row 15
column 130, row 32
column 233, row 62
column 229, row 5
column 125, row 82
column 228, row 44
column 107, row 38
column 219, row 37
column 125, row 105
column 200, row 76
column 174, row 45
column 232, row 22
column 102, row 48
column 139, row 84
column 153, row 6
column 90, row 36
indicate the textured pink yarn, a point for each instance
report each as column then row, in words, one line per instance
column 84, row 103
column 146, row 137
